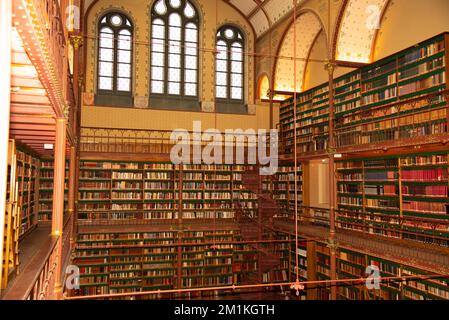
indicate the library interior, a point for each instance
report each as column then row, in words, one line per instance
column 224, row 150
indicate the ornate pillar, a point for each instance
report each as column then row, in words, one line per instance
column 5, row 91
column 58, row 200
column 331, row 150
column 72, row 191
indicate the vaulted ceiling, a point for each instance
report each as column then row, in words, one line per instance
column 263, row 13
column 260, row 13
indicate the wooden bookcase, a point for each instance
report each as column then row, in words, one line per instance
column 353, row 264
column 120, row 262
column 371, row 103
column 161, row 191
column 399, row 196
column 46, row 189
column 28, row 190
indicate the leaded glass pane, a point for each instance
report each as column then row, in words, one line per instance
column 157, row 59
column 237, row 67
column 236, row 80
column 124, row 84
column 157, row 86
column 229, row 33
column 105, row 83
column 191, row 49
column 174, row 20
column 221, row 92
column 189, row 11
column 174, row 88
column 222, row 65
column 124, row 56
column 174, row 75
column 106, row 38
column 124, row 70
column 106, row 69
column 190, row 89
column 222, row 78
column 236, row 52
column 158, row 45
column 124, row 40
column 191, row 33
column 191, row 62
column 237, row 93
column 190, row 75
column 174, row 33
column 157, row 73
column 175, row 3
column 174, row 61
column 160, row 7
column 107, row 55
column 116, row 20
column 175, row 47
column 158, row 29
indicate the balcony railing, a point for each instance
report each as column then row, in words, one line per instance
column 405, row 123
column 428, row 230
column 113, row 140
column 41, row 288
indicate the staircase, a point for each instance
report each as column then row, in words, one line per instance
column 254, row 228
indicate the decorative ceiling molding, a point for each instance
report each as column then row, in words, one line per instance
column 357, row 33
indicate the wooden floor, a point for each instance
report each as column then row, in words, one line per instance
column 33, row 251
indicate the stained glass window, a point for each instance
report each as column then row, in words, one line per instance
column 174, row 48
column 229, row 64
column 115, row 52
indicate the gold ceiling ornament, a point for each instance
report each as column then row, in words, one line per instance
column 76, row 41
column 330, row 66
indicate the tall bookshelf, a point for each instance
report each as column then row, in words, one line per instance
column 398, row 196
column 28, row 181
column 352, row 264
column 281, row 186
column 376, row 103
column 127, row 191
column 122, row 262
column 46, row 172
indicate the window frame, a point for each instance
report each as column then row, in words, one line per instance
column 165, row 99
column 104, row 96
column 220, row 36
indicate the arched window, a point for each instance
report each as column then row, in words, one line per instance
column 174, row 52
column 229, row 70
column 115, row 52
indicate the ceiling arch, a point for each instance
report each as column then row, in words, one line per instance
column 358, row 28
column 308, row 27
column 262, row 14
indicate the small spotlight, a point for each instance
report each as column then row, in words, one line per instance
column 48, row 146
column 338, row 156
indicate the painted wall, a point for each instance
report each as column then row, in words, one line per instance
column 213, row 15
column 315, row 73
column 407, row 22
column 318, row 184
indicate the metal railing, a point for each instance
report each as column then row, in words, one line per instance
column 401, row 122
column 115, row 140
column 428, row 230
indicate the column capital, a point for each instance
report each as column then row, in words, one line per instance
column 330, row 66
column 76, row 40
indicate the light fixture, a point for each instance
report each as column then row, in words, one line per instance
column 48, row 146
column 338, row 156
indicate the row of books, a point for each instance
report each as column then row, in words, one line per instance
column 364, row 92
